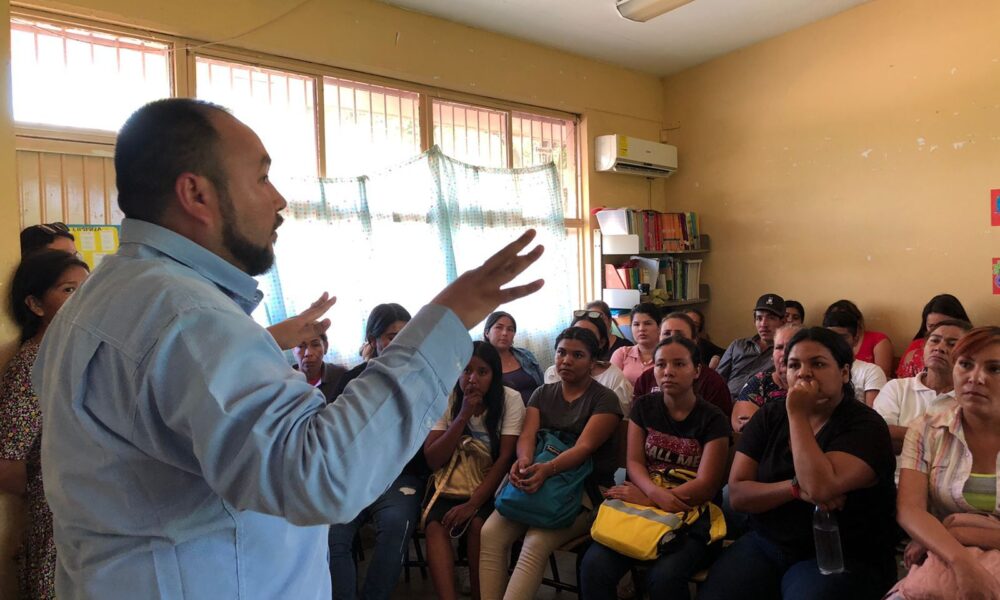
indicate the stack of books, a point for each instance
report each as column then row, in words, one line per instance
column 658, row 232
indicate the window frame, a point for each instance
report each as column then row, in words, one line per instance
column 183, row 83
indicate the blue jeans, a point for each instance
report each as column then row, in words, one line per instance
column 754, row 567
column 395, row 515
column 737, row 523
column 666, row 577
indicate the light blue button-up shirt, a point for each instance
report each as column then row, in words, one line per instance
column 184, row 458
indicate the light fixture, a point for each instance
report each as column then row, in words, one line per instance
column 644, row 10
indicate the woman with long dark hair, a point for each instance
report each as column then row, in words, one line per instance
column 521, row 371
column 395, row 512
column 633, row 360
column 670, row 431
column 481, row 407
column 43, row 282
column 870, row 346
column 939, row 308
column 820, row 447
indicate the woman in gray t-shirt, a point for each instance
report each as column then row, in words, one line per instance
column 575, row 404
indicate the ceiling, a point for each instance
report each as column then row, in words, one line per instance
column 687, row 36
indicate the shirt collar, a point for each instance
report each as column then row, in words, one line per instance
column 950, row 419
column 233, row 282
column 753, row 343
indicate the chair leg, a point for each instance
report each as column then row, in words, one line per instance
column 421, row 562
column 555, row 568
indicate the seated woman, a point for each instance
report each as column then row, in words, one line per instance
column 396, row 512
column 520, row 367
column 42, row 282
column 614, row 342
column 646, row 333
column 577, row 405
column 319, row 373
column 672, row 429
column 939, row 308
column 819, row 447
column 868, row 378
column 769, row 384
column 481, row 407
column 949, row 471
column 603, row 372
column 871, row 346
column 709, row 386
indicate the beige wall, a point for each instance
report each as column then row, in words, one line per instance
column 11, row 508
column 850, row 158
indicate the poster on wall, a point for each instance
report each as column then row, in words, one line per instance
column 995, row 208
column 94, row 242
column 996, row 276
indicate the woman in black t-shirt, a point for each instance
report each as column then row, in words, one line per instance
column 819, row 447
column 670, row 431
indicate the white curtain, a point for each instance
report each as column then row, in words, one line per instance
column 402, row 234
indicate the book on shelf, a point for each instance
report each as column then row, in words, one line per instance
column 678, row 279
column 657, row 232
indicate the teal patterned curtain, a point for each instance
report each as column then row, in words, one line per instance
column 402, row 234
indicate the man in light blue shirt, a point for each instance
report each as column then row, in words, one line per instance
column 182, row 457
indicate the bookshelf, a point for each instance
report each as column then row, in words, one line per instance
column 614, row 249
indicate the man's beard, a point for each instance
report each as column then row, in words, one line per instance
column 256, row 260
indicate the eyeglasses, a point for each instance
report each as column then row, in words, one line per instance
column 54, row 228
column 593, row 314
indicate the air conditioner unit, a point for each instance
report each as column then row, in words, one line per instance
column 623, row 154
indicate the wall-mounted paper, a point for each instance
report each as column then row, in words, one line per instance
column 94, row 242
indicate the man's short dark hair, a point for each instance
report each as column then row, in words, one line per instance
column 160, row 141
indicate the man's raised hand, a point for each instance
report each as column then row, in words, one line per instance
column 478, row 292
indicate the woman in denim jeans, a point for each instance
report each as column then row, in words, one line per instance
column 396, row 512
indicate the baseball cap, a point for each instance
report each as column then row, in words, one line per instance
column 771, row 303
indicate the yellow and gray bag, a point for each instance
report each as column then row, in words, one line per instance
column 643, row 532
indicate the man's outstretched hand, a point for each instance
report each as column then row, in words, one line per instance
column 478, row 292
column 303, row 327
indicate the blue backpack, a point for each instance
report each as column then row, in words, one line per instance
column 557, row 503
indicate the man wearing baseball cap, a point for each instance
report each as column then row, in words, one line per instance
column 746, row 356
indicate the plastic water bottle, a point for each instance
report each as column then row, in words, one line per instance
column 826, row 533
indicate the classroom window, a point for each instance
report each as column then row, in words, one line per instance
column 278, row 105
column 368, row 127
column 472, row 134
column 538, row 140
column 70, row 76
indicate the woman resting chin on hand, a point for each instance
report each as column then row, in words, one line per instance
column 820, row 447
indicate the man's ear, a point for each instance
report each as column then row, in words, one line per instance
column 197, row 197
column 35, row 306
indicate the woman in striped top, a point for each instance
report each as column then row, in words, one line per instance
column 949, row 468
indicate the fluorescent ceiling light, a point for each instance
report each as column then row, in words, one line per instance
column 644, row 10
